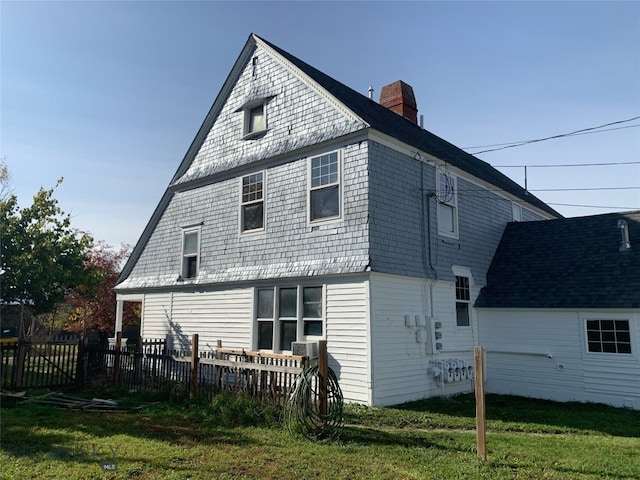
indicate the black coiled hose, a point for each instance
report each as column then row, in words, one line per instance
column 303, row 410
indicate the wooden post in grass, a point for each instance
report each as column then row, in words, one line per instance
column 323, row 373
column 193, row 390
column 116, row 359
column 481, row 437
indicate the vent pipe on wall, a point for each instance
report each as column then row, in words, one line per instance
column 625, row 244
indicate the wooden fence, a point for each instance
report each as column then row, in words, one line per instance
column 149, row 366
column 30, row 364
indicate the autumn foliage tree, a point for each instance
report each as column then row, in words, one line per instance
column 93, row 304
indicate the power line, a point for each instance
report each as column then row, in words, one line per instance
column 568, row 165
column 592, row 206
column 583, row 189
column 576, row 132
column 525, row 141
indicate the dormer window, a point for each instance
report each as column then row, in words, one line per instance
column 255, row 118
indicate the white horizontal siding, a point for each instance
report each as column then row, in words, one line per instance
column 215, row 315
column 224, row 315
column 156, row 315
column 401, row 365
column 542, row 354
column 227, row 315
column 347, row 337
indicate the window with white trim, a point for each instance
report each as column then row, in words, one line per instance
column 255, row 118
column 517, row 212
column 446, row 196
column 190, row 253
column 252, row 203
column 463, row 301
column 324, row 187
column 608, row 336
column 288, row 314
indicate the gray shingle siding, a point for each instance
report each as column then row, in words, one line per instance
column 296, row 117
column 288, row 247
column 398, row 231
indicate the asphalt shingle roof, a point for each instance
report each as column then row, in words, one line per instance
column 390, row 123
column 566, row 263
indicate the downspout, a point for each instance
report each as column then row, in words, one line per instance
column 427, row 261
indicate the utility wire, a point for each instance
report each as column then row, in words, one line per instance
column 592, row 206
column 568, row 165
column 576, row 132
column 471, row 191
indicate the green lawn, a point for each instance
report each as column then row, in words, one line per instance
column 230, row 438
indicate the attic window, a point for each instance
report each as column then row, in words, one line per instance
column 255, row 119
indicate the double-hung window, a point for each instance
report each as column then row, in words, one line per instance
column 252, row 203
column 264, row 314
column 446, row 195
column 324, row 187
column 288, row 314
column 608, row 336
column 463, row 301
column 190, row 252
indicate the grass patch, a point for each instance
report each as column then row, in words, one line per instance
column 231, row 437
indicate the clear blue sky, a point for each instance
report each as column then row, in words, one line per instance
column 109, row 95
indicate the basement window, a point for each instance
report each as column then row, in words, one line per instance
column 608, row 336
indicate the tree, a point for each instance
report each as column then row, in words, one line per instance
column 42, row 256
column 5, row 181
column 94, row 303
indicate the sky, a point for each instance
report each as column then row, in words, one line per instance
column 109, row 95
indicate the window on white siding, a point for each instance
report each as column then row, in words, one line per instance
column 608, row 336
column 312, row 310
column 324, row 187
column 463, row 301
column 190, row 253
column 288, row 314
column 264, row 314
column 446, row 196
column 252, row 203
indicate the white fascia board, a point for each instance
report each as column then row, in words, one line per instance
column 411, row 151
column 310, row 82
column 216, row 108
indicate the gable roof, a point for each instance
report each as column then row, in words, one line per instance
column 566, row 263
column 390, row 123
column 362, row 108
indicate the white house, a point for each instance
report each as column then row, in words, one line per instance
column 304, row 210
column 560, row 315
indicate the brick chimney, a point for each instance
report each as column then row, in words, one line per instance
column 399, row 98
